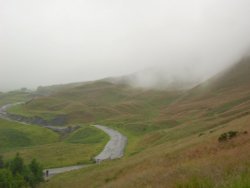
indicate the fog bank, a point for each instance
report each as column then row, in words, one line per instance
column 52, row 42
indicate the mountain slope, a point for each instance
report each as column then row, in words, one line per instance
column 225, row 96
column 235, row 77
column 15, row 135
column 97, row 101
column 188, row 153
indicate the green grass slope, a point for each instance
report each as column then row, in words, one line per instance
column 235, row 77
column 174, row 143
column 15, row 96
column 97, row 101
column 88, row 135
column 44, row 145
column 15, row 135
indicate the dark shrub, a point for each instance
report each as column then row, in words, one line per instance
column 1, row 162
column 16, row 165
column 232, row 134
column 227, row 136
column 15, row 174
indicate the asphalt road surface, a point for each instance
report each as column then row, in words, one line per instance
column 115, row 147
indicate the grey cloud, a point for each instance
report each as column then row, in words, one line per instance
column 51, row 41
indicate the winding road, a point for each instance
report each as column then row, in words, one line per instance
column 3, row 109
column 113, row 149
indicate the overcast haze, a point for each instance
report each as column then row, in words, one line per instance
column 45, row 42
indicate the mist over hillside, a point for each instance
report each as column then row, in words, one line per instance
column 175, row 78
column 125, row 93
column 176, row 138
column 52, row 42
column 157, row 78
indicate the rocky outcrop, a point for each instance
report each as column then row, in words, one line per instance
column 57, row 121
column 56, row 124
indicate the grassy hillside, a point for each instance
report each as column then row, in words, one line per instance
column 172, row 135
column 15, row 135
column 191, row 161
column 44, row 145
column 88, row 135
column 15, row 96
column 48, row 90
column 97, row 101
column 130, row 110
column 173, row 141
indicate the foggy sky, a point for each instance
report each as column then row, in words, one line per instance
column 45, row 42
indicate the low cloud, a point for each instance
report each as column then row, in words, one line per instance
column 49, row 42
